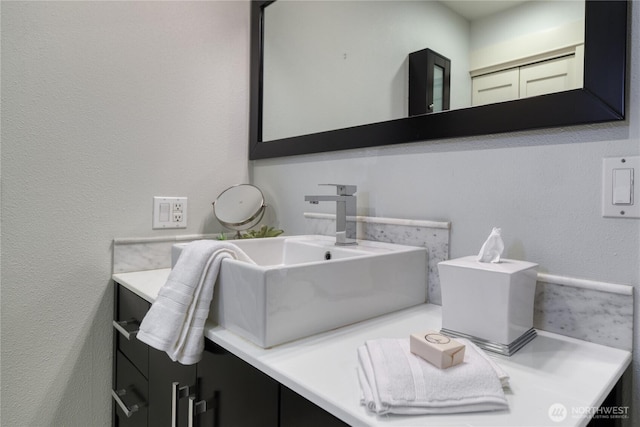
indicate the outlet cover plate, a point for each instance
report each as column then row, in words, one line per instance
column 169, row 212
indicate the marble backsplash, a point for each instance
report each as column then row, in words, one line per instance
column 588, row 310
column 148, row 253
column 592, row 311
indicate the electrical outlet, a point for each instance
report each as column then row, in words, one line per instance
column 169, row 212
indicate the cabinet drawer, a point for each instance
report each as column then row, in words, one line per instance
column 130, row 395
column 130, row 310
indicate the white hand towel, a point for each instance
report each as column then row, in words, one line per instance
column 175, row 321
column 394, row 380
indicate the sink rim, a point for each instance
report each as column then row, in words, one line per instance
column 364, row 249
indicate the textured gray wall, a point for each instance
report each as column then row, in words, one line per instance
column 102, row 104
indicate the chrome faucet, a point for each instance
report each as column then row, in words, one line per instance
column 345, row 212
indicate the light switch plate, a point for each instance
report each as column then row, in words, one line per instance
column 169, row 212
column 611, row 166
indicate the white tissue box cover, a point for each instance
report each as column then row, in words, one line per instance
column 490, row 301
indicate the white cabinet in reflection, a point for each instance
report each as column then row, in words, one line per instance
column 496, row 87
column 555, row 75
column 537, row 78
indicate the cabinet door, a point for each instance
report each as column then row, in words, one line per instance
column 237, row 394
column 495, row 87
column 296, row 411
column 163, row 372
column 555, row 75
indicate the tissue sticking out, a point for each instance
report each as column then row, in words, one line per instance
column 492, row 249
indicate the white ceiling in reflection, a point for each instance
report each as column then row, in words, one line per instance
column 476, row 9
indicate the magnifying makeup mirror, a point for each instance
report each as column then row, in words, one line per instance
column 239, row 207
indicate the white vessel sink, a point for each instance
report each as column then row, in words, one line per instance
column 303, row 285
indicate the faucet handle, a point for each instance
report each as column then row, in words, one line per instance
column 344, row 190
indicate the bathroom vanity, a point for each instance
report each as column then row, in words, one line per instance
column 312, row 381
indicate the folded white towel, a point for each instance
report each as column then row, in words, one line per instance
column 175, row 321
column 394, row 380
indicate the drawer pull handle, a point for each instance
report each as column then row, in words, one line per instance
column 195, row 408
column 177, row 393
column 120, row 327
column 117, row 396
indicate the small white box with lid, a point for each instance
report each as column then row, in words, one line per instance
column 489, row 303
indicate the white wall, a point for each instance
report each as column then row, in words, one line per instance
column 522, row 32
column 542, row 187
column 528, row 18
column 104, row 105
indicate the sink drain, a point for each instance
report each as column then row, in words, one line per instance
column 327, row 255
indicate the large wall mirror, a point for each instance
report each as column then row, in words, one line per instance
column 330, row 75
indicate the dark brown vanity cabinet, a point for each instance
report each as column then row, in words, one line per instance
column 149, row 389
column 242, row 395
column 296, row 411
column 130, row 390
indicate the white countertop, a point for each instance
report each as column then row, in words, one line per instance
column 552, row 369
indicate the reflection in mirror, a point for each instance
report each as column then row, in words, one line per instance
column 332, row 65
column 438, row 89
column 429, row 82
column 239, row 207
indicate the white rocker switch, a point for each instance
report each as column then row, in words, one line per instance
column 622, row 186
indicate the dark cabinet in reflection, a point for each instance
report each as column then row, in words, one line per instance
column 429, row 82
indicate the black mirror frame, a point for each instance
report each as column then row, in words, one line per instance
column 602, row 98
